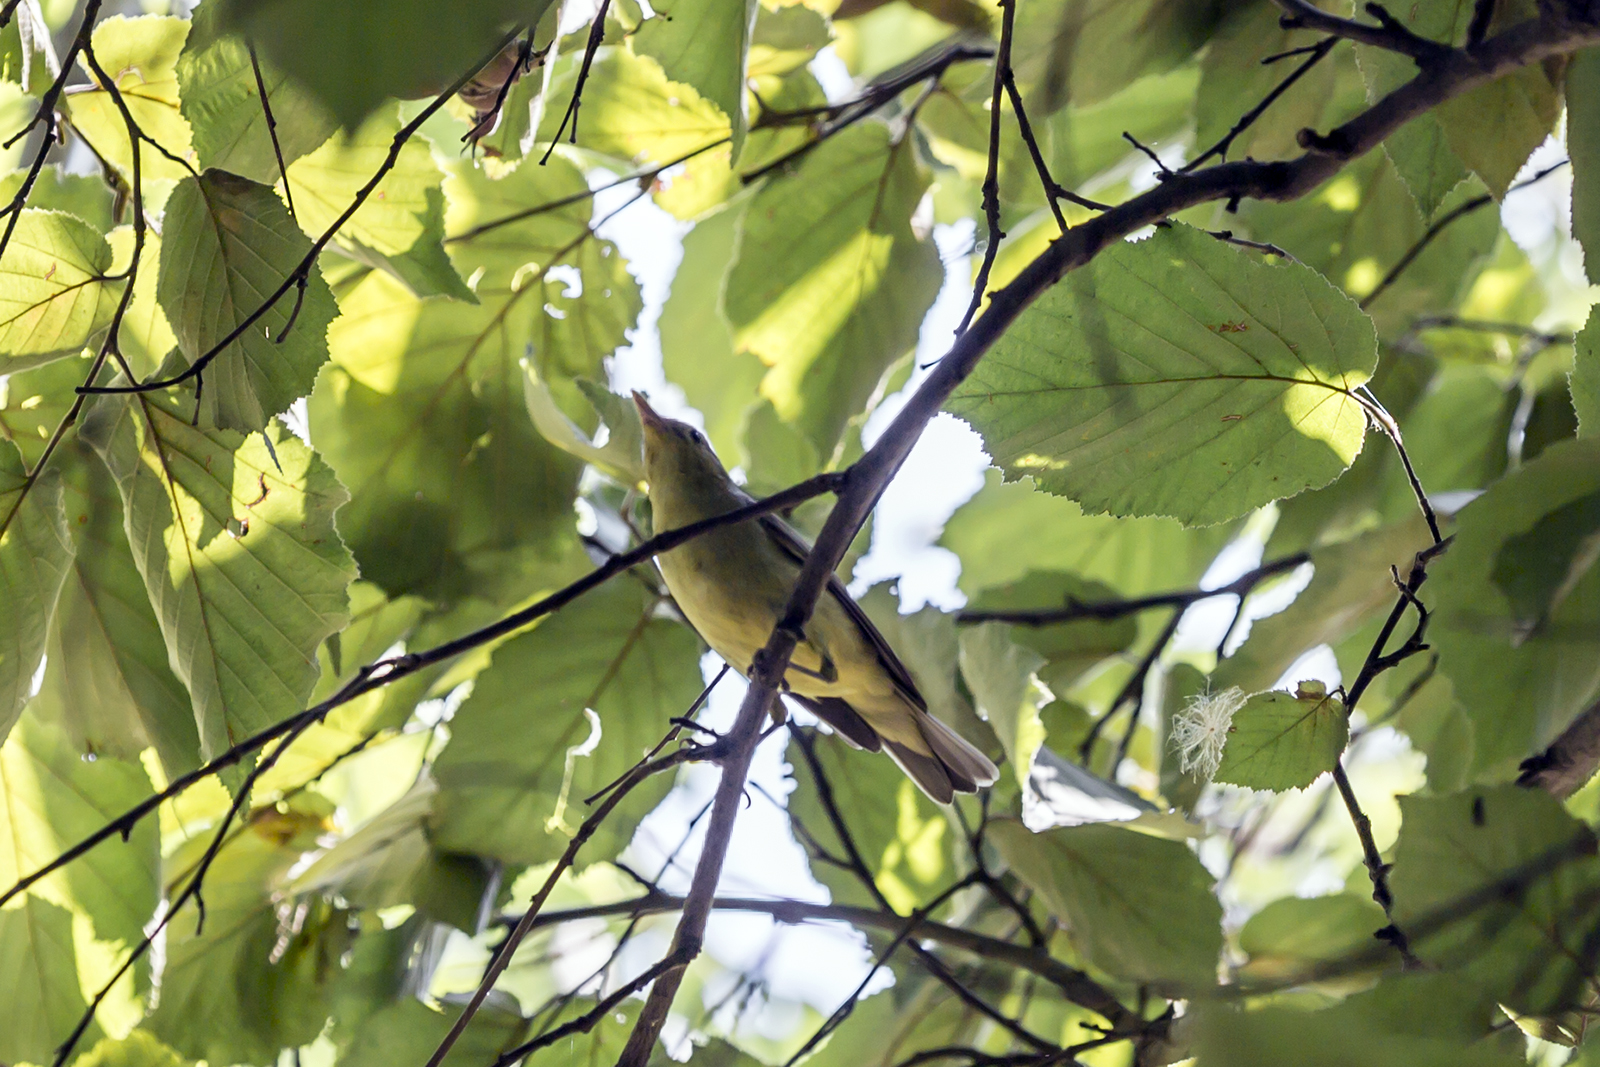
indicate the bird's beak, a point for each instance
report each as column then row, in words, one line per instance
column 647, row 414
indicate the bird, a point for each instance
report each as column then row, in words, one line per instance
column 732, row 584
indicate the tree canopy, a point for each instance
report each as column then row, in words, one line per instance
column 345, row 721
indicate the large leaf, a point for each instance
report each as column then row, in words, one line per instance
column 560, row 713
column 35, row 555
column 903, row 838
column 1531, row 947
column 235, row 540
column 1008, row 529
column 39, row 982
column 706, row 44
column 352, row 56
column 1293, row 934
column 1583, row 144
column 1233, row 78
column 228, row 243
column 228, row 119
column 1138, row 906
column 831, row 284
column 53, row 296
column 1517, row 607
column 401, row 225
column 50, row 799
column 140, row 55
column 1284, row 740
column 106, row 679
column 246, row 984
column 1177, row 376
column 409, row 1029
column 1069, row 648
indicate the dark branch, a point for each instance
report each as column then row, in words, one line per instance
column 1317, row 53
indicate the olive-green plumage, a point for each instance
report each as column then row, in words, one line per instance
column 732, row 584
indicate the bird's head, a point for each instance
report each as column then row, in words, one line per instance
column 678, row 456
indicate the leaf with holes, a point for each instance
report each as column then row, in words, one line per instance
column 1177, row 376
column 1284, row 740
column 35, row 556
column 560, row 713
column 54, row 294
column 234, row 537
column 228, row 243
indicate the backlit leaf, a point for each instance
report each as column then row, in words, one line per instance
column 140, row 54
column 1585, row 381
column 53, row 292
column 39, row 982
column 35, row 556
column 999, row 674
column 1177, row 376
column 1284, row 740
column 631, row 111
column 705, row 43
column 239, row 557
column 227, row 245
column 1583, row 144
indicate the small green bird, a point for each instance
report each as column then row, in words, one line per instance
column 732, row 584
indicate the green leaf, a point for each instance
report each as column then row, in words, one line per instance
column 140, row 54
column 776, row 454
column 706, row 44
column 1008, row 529
column 1527, row 947
column 389, row 861
column 622, row 454
column 560, row 713
column 39, row 982
column 1290, row 936
column 35, row 556
column 831, row 284
column 106, row 680
column 400, row 227
column 53, row 292
column 1583, row 145
column 1361, row 222
column 1198, row 383
column 786, row 39
column 1585, row 380
column 222, row 103
column 227, row 245
column 1069, row 648
column 696, row 344
column 1139, row 907
column 903, row 838
column 245, row 985
column 1086, row 140
column 999, row 674
column 86, row 196
column 1495, row 127
column 1420, row 152
column 352, row 56
column 1284, row 740
column 145, row 337
column 239, row 556
column 1351, row 584
column 631, row 111
column 1075, row 52
column 1523, row 671
column 409, row 1028
column 50, row 799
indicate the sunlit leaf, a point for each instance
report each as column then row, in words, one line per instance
column 39, row 982
column 705, row 43
column 831, row 283
column 53, row 292
column 999, row 673
column 1177, row 376
column 1284, row 740
column 227, row 245
column 604, row 676
column 35, row 556
column 140, row 55
column 239, row 557
column 138, row 1049
column 1139, row 907
column 631, row 111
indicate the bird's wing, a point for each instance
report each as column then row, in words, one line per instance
column 795, row 547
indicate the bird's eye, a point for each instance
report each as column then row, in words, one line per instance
column 697, row 437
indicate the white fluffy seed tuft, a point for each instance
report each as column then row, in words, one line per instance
column 1200, row 730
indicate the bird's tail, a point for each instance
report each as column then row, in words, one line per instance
column 953, row 766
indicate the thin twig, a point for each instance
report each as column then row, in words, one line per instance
column 1317, row 53
column 272, row 129
column 597, row 34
